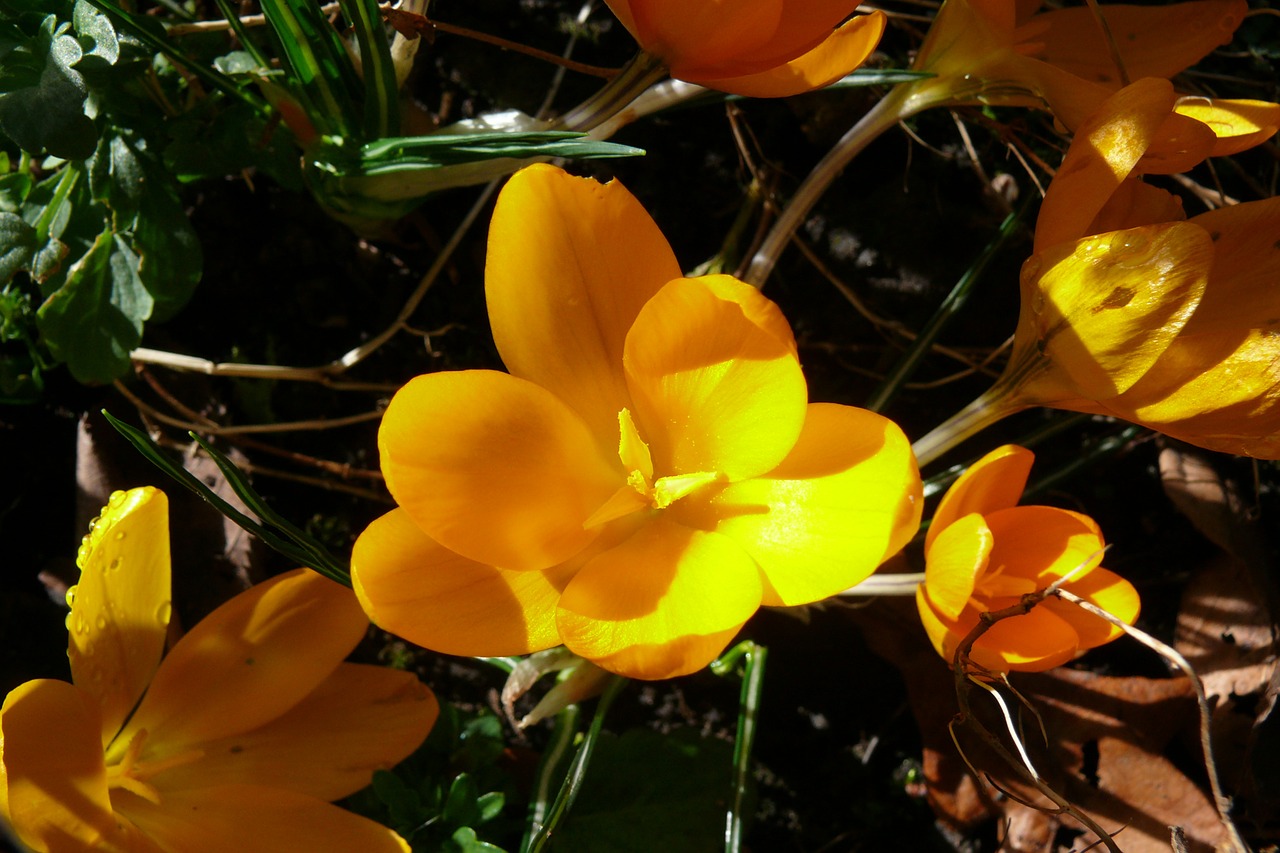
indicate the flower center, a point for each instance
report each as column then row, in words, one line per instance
column 642, row 490
column 132, row 774
column 994, row 583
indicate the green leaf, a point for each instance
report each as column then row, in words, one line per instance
column 491, row 805
column 97, row 37
column 381, row 94
column 460, row 804
column 465, row 841
column 171, row 261
column 647, row 791
column 18, row 243
column 95, row 318
column 42, row 108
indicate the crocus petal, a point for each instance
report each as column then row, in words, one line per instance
column 847, row 497
column 360, row 719
column 1033, row 642
column 570, row 263
column 1107, row 590
column 1237, row 125
column 715, row 389
column 1152, row 41
column 1102, row 310
column 663, row 603
column 1180, row 143
column 56, row 778
column 120, row 606
column 959, row 554
column 257, row 819
column 844, row 50
column 1044, row 543
column 1137, row 203
column 248, row 662
column 1105, row 150
column 419, row 590
column 495, row 468
column 993, row 482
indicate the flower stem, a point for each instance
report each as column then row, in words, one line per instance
column 881, row 117
column 632, row 81
column 903, row 583
column 995, row 404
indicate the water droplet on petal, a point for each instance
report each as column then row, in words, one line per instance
column 119, row 535
column 100, row 623
column 163, row 612
column 116, row 499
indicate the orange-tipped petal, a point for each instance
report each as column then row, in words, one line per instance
column 663, row 603
column 1106, row 150
column 846, row 498
column 120, row 605
column 1153, row 41
column 1237, row 125
column 56, row 779
column 419, row 590
column 495, row 468
column 842, row 52
column 248, row 662
column 1043, row 544
column 570, row 263
column 715, row 389
column 1107, row 590
column 959, row 554
column 993, row 482
column 1103, row 309
column 360, row 719
column 257, row 819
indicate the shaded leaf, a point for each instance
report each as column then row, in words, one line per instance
column 18, row 242
column 97, row 37
column 42, row 108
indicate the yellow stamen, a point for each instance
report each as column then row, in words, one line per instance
column 668, row 490
column 131, row 773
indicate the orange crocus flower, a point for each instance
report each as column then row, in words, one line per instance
column 759, row 48
column 1127, row 310
column 236, row 740
column 646, row 476
column 983, row 552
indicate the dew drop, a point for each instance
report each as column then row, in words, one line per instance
column 163, row 612
column 67, row 621
column 100, row 623
column 81, row 625
column 117, row 498
column 71, row 595
column 119, row 535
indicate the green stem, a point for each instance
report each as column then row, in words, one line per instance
column 577, row 770
column 561, row 739
column 904, row 583
column 995, row 404
column 881, row 117
column 636, row 76
column 753, row 658
column 950, row 307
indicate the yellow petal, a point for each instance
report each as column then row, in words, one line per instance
column 248, row 662
column 1044, row 544
column 663, row 603
column 1153, row 41
column 1137, row 203
column 1107, row 590
column 846, row 498
column 496, row 468
column 1034, row 642
column 842, row 52
column 56, row 779
column 1179, row 145
column 714, row 387
column 993, row 482
column 120, row 606
column 419, row 590
column 360, row 719
column 1102, row 310
column 570, row 263
column 1105, row 150
column 959, row 554
column 1237, row 125
column 257, row 819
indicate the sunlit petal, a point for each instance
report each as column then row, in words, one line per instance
column 360, row 719
column 1044, row 543
column 257, row 819
column 274, row 642
column 1106, row 149
column 570, row 263
column 1237, row 125
column 714, row 387
column 993, row 482
column 496, row 468
column 842, row 52
column 1102, row 310
column 1107, row 590
column 419, row 590
column 663, row 603
column 120, row 606
column 959, row 554
column 57, row 780
column 846, row 498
